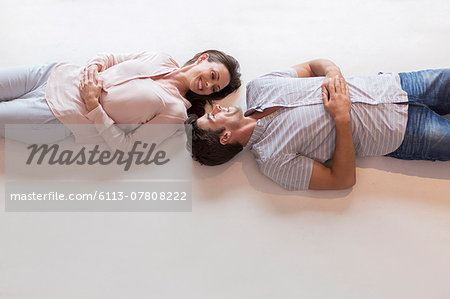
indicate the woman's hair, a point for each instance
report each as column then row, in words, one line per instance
column 199, row 101
column 205, row 146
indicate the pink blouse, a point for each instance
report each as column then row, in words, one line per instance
column 130, row 98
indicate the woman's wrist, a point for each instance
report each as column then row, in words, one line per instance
column 91, row 104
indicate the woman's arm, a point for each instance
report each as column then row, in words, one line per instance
column 106, row 60
column 155, row 130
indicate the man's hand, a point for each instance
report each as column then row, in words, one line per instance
column 91, row 87
column 336, row 99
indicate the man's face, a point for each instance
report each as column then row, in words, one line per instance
column 220, row 117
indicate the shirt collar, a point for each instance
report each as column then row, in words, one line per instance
column 257, row 132
column 260, row 127
column 186, row 102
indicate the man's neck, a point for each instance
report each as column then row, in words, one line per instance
column 246, row 130
column 249, row 123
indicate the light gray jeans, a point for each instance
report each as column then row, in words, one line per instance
column 22, row 101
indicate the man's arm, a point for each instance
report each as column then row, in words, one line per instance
column 342, row 174
column 317, row 68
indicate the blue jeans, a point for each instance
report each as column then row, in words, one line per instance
column 427, row 135
column 22, row 101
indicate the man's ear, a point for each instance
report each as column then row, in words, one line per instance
column 225, row 138
column 202, row 57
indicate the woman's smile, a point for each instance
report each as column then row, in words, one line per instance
column 200, row 84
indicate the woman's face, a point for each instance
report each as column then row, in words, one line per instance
column 208, row 77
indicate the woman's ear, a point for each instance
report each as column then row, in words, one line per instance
column 225, row 138
column 202, row 57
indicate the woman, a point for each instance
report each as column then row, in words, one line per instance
column 127, row 90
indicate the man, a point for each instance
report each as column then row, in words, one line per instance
column 300, row 118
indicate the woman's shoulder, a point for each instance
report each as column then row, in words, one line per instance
column 166, row 58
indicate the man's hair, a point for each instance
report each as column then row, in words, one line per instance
column 205, row 145
column 199, row 101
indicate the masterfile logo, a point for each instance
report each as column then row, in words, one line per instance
column 51, row 154
column 68, row 176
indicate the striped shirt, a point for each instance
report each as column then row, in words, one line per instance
column 286, row 142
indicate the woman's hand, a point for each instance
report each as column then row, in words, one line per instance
column 91, row 87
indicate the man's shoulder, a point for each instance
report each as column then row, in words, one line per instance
column 275, row 75
column 265, row 154
column 289, row 170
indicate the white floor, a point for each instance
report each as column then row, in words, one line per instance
column 388, row 237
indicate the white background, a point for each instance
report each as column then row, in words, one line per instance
column 388, row 237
